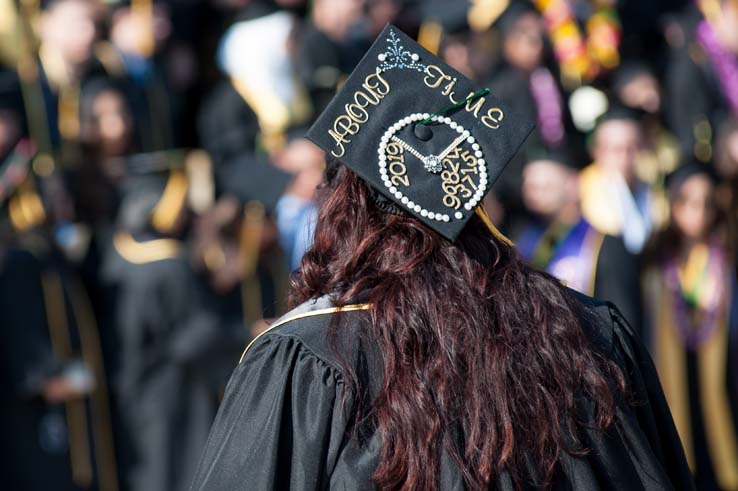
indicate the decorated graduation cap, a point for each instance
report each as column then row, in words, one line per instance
column 420, row 133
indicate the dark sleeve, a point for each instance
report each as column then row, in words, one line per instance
column 26, row 356
column 649, row 403
column 618, row 279
column 687, row 97
column 197, row 335
column 280, row 425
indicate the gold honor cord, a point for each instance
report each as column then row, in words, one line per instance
column 595, row 241
column 168, row 209
column 330, row 310
column 430, row 35
column 102, row 430
column 61, row 345
column 145, row 252
column 482, row 214
column 249, row 244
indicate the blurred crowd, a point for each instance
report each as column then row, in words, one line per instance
column 156, row 190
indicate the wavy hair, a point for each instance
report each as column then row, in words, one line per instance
column 483, row 357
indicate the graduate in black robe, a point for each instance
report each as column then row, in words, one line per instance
column 559, row 240
column 282, row 424
column 55, row 411
column 170, row 343
column 422, row 353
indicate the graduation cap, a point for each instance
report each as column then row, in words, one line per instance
column 420, row 133
column 679, row 176
column 561, row 156
column 253, row 178
column 155, row 191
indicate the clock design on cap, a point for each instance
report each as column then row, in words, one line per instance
column 458, row 167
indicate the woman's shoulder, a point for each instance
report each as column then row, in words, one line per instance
column 308, row 328
column 607, row 329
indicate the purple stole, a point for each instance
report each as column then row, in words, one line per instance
column 573, row 257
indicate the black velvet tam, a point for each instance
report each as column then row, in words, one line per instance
column 436, row 169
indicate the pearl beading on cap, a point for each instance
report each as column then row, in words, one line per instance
column 409, row 204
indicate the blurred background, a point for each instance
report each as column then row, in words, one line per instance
column 156, row 191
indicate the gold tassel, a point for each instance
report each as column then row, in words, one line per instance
column 167, row 210
column 429, row 36
column 499, row 236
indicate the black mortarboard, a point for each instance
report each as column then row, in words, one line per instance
column 678, row 176
column 619, row 112
column 440, row 171
column 561, row 156
column 155, row 191
column 628, row 71
column 252, row 178
column 452, row 16
column 508, row 21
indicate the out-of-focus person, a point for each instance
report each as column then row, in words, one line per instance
column 332, row 41
column 259, row 98
column 107, row 133
column 690, row 291
column 135, row 55
column 67, row 35
column 702, row 77
column 726, row 167
column 524, row 76
column 614, row 200
column 636, row 86
column 559, row 240
column 297, row 211
column 168, row 338
column 55, row 412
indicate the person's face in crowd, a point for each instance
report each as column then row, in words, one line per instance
column 335, row 17
column 70, row 27
column 548, row 187
column 616, row 145
column 726, row 25
column 457, row 54
column 111, row 126
column 523, row 45
column 693, row 207
column 382, row 12
column 137, row 35
column 642, row 92
column 10, row 130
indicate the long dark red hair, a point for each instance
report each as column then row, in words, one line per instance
column 483, row 357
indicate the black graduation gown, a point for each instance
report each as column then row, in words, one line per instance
column 618, row 279
column 693, row 93
column 33, row 431
column 45, row 325
column 282, row 424
column 169, row 342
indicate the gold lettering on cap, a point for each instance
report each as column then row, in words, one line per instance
column 476, row 106
column 435, row 77
column 355, row 114
column 493, row 117
column 434, row 72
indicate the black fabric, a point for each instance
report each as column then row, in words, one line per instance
column 693, row 94
column 36, row 433
column 395, row 82
column 252, row 178
column 282, row 424
column 171, row 345
column 617, row 279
